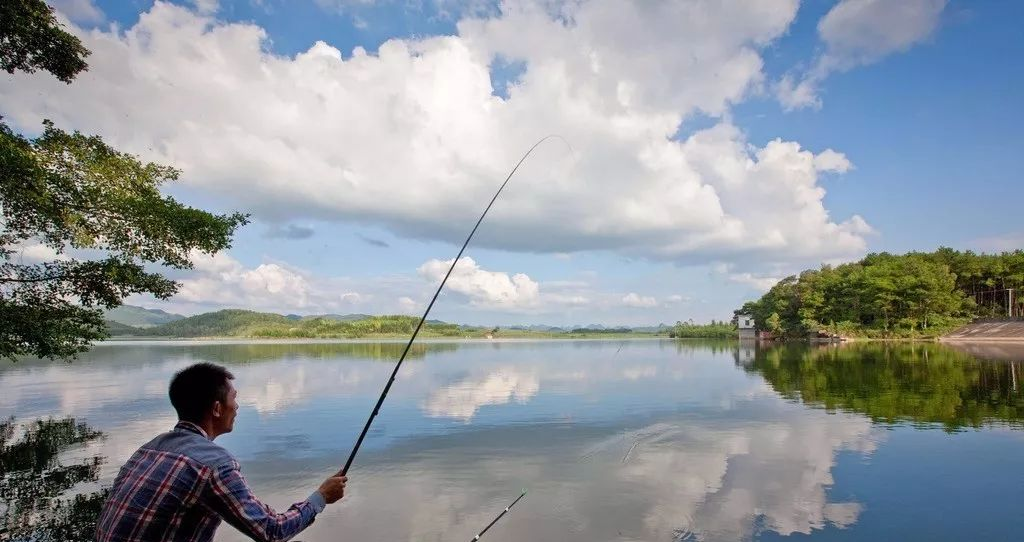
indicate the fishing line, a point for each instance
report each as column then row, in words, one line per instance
column 401, row 359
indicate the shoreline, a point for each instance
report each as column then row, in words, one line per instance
column 129, row 339
column 114, row 341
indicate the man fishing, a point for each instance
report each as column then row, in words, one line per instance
column 180, row 485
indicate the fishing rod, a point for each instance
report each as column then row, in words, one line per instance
column 505, row 511
column 401, row 359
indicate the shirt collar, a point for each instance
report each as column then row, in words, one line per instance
column 189, row 426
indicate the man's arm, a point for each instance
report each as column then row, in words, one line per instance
column 235, row 502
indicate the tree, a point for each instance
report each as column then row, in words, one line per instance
column 886, row 295
column 31, row 39
column 98, row 212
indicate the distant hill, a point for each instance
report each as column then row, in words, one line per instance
column 224, row 323
column 653, row 329
column 140, row 317
column 596, row 328
column 537, row 327
column 117, row 329
column 243, row 323
column 338, row 317
column 246, row 323
column 602, row 329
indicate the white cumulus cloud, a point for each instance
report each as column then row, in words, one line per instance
column 223, row 280
column 353, row 298
column 758, row 281
column 860, row 31
column 408, row 305
column 412, row 138
column 79, row 11
column 486, row 288
column 31, row 253
column 857, row 32
column 633, row 299
column 762, row 283
column 830, row 160
column 207, row 6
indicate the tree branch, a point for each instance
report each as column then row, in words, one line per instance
column 39, row 279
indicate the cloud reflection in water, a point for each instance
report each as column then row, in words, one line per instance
column 462, row 399
column 716, row 454
column 715, row 479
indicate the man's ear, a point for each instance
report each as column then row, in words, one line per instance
column 218, row 409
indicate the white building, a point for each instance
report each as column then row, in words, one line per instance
column 745, row 323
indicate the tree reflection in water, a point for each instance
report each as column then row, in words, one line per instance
column 34, row 480
column 894, row 383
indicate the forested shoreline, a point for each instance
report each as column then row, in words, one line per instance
column 714, row 330
column 261, row 325
column 918, row 294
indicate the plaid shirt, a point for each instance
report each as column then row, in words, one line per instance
column 180, row 485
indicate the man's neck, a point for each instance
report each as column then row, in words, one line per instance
column 207, row 427
column 210, row 430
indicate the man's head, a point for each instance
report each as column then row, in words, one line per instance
column 203, row 394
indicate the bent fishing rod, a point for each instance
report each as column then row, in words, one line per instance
column 401, row 359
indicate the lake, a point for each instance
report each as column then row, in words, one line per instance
column 615, row 440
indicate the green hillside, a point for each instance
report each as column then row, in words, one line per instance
column 918, row 294
column 252, row 324
column 117, row 329
column 337, row 317
column 133, row 316
column 242, row 323
column 224, row 323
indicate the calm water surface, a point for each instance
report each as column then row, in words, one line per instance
column 636, row 440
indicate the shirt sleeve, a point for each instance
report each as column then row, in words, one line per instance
column 235, row 502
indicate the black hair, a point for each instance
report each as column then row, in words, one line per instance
column 195, row 388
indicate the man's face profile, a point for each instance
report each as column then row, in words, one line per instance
column 224, row 412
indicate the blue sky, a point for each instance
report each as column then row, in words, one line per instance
column 715, row 146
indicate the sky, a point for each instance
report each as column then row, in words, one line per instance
column 702, row 151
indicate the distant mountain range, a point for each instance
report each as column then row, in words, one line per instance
column 140, row 317
column 537, row 327
column 592, row 327
column 129, row 320
column 335, row 317
column 244, row 323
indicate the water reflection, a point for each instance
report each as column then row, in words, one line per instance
column 928, row 383
column 634, row 440
column 709, row 476
column 136, row 373
column 462, row 399
column 33, row 479
column 719, row 483
column 227, row 353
